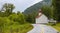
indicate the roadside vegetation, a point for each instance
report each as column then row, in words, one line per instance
column 56, row 13
column 53, row 12
column 11, row 22
column 56, row 26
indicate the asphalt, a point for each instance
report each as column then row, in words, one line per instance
column 41, row 28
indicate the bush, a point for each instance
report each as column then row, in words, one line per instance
column 4, row 21
column 9, row 26
column 17, row 18
column 18, row 28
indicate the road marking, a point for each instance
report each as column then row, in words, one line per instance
column 42, row 31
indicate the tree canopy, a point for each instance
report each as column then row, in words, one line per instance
column 56, row 6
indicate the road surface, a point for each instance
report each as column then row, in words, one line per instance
column 40, row 28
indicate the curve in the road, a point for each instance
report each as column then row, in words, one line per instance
column 40, row 28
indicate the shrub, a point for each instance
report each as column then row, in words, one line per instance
column 17, row 18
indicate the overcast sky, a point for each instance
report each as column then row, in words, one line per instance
column 20, row 5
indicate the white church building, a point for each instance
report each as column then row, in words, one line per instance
column 41, row 18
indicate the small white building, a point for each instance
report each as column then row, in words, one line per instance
column 41, row 18
column 52, row 21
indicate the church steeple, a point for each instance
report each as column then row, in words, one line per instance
column 40, row 12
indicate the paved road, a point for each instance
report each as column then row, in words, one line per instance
column 40, row 28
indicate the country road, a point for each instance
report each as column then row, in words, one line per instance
column 40, row 28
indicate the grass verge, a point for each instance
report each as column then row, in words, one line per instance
column 57, row 26
column 16, row 28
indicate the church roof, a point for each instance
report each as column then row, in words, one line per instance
column 38, row 16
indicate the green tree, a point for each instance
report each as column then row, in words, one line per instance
column 1, row 14
column 17, row 18
column 8, row 8
column 48, row 11
column 30, row 17
column 18, row 12
column 56, row 5
column 21, row 18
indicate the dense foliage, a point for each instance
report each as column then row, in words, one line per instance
column 56, row 6
column 11, row 22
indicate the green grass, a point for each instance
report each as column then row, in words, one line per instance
column 57, row 26
column 24, row 28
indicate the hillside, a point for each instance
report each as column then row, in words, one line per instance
column 35, row 7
